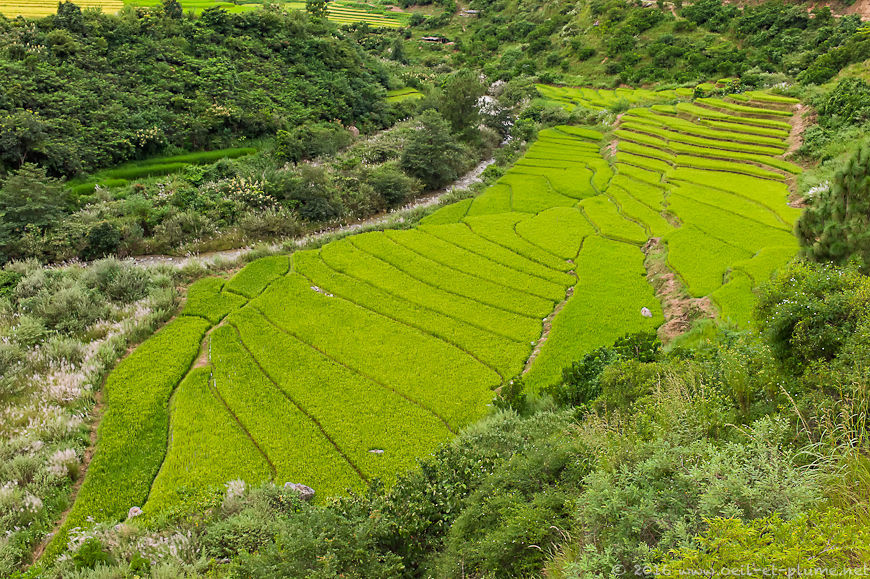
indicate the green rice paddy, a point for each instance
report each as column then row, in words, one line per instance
column 341, row 365
column 339, row 11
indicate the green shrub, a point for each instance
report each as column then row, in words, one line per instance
column 392, row 185
column 311, row 140
column 102, row 239
column 580, row 381
column 119, row 281
column 818, row 539
column 90, row 554
column 8, row 281
column 432, row 155
column 809, row 312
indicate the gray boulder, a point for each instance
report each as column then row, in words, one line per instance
column 306, row 493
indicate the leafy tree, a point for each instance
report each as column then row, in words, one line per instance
column 69, row 16
column 458, row 103
column 836, row 226
column 22, row 134
column 316, row 8
column 173, row 9
column 432, row 154
column 29, row 197
column 397, row 51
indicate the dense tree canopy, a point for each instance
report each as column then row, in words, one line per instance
column 84, row 90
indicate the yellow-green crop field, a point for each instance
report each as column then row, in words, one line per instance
column 40, row 8
column 337, row 366
column 340, row 11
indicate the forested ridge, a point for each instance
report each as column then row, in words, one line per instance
column 83, row 91
column 635, row 345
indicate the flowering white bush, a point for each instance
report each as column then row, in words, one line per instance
column 62, row 462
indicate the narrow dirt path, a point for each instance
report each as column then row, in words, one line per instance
column 545, row 331
column 679, row 308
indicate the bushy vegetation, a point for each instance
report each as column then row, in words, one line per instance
column 124, row 200
column 61, row 331
column 605, row 43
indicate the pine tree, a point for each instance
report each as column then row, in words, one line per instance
column 836, row 226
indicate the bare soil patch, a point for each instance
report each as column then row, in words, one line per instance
column 679, row 308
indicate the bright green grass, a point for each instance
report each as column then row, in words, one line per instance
column 411, row 362
column 570, row 97
column 771, row 194
column 750, row 122
column 403, row 94
column 501, row 230
column 701, row 260
column 348, row 259
column 503, row 354
column 540, row 263
column 727, row 167
column 665, row 158
column 606, row 304
column 206, row 300
column 155, row 167
column 743, row 128
column 257, row 275
column 605, row 215
column 761, row 266
column 132, row 437
column 650, row 170
column 730, row 202
column 747, row 110
column 456, row 258
column 637, row 210
column 559, row 230
column 709, row 142
column 207, row 449
column 330, row 394
column 735, row 299
column 575, row 182
column 267, row 413
column 452, row 213
column 496, row 199
column 765, row 97
column 678, row 146
column 645, row 116
column 533, row 193
column 650, row 195
column 458, row 283
column 750, row 234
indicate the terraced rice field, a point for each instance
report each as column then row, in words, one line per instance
column 346, row 12
column 197, row 6
column 336, row 366
column 403, row 94
column 715, row 166
column 40, row 8
column 340, row 11
column 603, row 99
